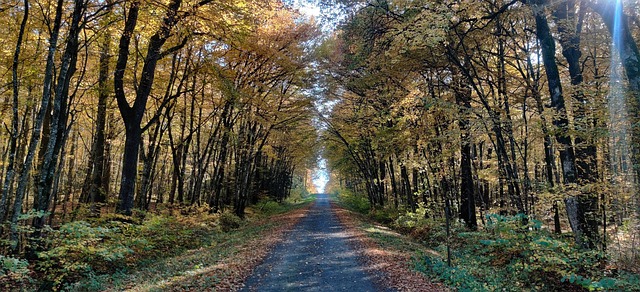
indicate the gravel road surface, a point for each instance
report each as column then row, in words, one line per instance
column 314, row 256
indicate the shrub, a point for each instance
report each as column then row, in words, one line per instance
column 270, row 207
column 78, row 249
column 458, row 277
column 384, row 216
column 14, row 272
column 354, row 202
column 164, row 233
column 229, row 221
column 9, row 265
column 410, row 220
column 428, row 231
column 509, row 255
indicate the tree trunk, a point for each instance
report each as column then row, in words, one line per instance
column 617, row 22
column 394, row 187
column 575, row 206
column 25, row 174
column 60, row 115
column 94, row 190
column 585, row 148
column 406, row 187
column 133, row 136
column 467, row 210
column 14, row 134
column 132, row 115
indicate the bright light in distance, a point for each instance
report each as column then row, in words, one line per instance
column 321, row 176
column 307, row 8
column 310, row 10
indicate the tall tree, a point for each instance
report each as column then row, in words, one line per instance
column 45, row 184
column 38, row 123
column 132, row 114
column 14, row 134
column 578, row 208
column 95, row 186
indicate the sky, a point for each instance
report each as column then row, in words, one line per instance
column 308, row 9
column 321, row 176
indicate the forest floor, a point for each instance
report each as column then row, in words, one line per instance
column 318, row 247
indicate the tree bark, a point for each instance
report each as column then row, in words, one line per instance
column 132, row 114
column 575, row 206
column 94, row 188
column 60, row 116
column 617, row 22
column 13, row 140
column 25, row 174
column 467, row 210
column 585, row 148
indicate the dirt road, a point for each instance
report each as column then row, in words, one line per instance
column 315, row 256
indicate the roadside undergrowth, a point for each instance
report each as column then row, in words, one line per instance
column 503, row 255
column 171, row 249
column 221, row 266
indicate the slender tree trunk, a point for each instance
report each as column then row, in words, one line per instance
column 60, row 116
column 149, row 161
column 394, row 187
column 467, row 210
column 13, row 140
column 94, row 190
column 406, row 187
column 35, row 135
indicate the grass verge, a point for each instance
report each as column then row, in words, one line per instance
column 221, row 265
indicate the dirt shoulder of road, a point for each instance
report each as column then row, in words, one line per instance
column 387, row 254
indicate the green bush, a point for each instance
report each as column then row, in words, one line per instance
column 78, row 249
column 428, row 231
column 9, row 265
column 229, row 221
column 509, row 255
column 411, row 220
column 384, row 216
column 354, row 202
column 458, row 277
column 164, row 233
column 270, row 207
column 14, row 273
column 81, row 249
column 298, row 194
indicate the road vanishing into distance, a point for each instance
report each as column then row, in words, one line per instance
column 315, row 256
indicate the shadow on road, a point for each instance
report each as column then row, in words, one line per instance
column 315, row 256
